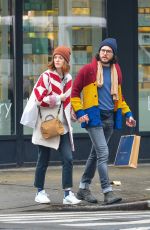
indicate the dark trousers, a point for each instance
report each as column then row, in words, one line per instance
column 66, row 159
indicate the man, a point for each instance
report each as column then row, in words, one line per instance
column 100, row 111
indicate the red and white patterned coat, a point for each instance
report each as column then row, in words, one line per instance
column 47, row 93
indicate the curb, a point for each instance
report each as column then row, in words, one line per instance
column 132, row 206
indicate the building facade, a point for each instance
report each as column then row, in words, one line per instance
column 31, row 29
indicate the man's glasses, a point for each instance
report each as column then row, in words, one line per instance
column 106, row 51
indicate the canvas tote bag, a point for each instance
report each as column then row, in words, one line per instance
column 30, row 113
column 128, row 151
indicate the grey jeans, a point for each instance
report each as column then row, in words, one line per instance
column 100, row 137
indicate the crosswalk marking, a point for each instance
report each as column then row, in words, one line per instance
column 49, row 219
column 139, row 228
column 114, row 213
column 109, row 224
column 81, row 219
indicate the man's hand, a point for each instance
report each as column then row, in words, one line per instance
column 130, row 122
column 84, row 118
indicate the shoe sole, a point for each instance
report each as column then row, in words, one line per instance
column 69, row 203
column 117, row 200
column 48, row 202
column 82, row 198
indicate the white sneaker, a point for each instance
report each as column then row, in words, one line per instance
column 42, row 197
column 71, row 199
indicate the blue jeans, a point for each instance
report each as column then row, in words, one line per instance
column 66, row 158
column 100, row 137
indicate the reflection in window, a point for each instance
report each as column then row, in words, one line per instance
column 144, row 64
column 7, row 106
column 47, row 24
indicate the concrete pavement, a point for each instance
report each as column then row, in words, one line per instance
column 17, row 192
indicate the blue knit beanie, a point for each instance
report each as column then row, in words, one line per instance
column 111, row 42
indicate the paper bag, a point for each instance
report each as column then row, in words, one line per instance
column 128, row 151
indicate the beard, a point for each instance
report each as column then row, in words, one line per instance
column 106, row 62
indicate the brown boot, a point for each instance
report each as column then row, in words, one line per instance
column 110, row 198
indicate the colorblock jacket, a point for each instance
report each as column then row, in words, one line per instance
column 85, row 83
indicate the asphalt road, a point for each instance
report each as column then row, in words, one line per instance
column 135, row 220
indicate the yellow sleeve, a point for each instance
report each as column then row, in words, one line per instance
column 121, row 103
column 125, row 108
column 76, row 103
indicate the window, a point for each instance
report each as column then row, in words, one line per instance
column 47, row 24
column 7, row 85
column 144, row 64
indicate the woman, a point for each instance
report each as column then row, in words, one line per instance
column 53, row 89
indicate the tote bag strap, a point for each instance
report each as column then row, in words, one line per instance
column 57, row 112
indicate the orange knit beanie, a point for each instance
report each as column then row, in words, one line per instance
column 63, row 51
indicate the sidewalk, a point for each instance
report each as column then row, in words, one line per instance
column 17, row 192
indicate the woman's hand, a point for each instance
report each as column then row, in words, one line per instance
column 130, row 122
column 62, row 97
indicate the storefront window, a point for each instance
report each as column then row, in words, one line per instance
column 49, row 23
column 144, row 64
column 7, row 107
